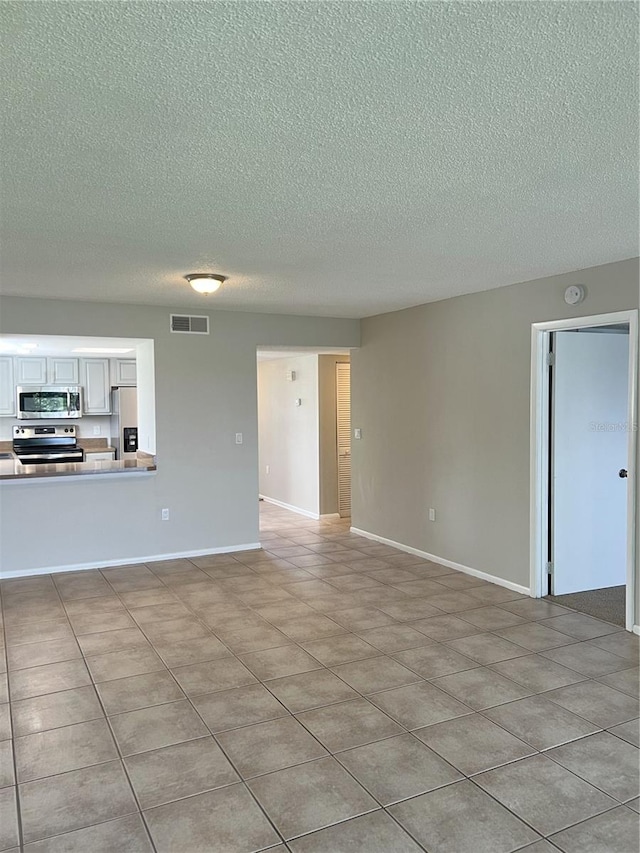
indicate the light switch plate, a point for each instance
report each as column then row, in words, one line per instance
column 357, row 433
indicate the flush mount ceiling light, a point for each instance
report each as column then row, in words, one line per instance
column 205, row 282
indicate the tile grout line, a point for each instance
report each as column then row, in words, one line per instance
column 117, row 745
column 469, row 778
column 13, row 751
column 322, row 666
column 9, row 688
column 292, row 716
column 542, row 834
column 112, row 734
column 212, row 735
column 330, row 754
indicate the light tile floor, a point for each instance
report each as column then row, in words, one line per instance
column 324, row 694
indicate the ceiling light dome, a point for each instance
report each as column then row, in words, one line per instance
column 205, row 282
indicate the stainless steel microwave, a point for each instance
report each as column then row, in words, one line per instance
column 49, row 401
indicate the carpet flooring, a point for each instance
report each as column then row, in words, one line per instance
column 607, row 604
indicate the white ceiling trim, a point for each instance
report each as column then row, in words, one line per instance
column 38, row 345
column 270, row 354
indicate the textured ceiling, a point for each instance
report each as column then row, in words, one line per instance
column 331, row 158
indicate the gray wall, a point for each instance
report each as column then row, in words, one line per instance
column 328, row 432
column 205, row 393
column 441, row 393
column 288, row 434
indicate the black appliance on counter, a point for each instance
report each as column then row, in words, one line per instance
column 46, row 445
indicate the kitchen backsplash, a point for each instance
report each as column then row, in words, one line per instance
column 85, row 426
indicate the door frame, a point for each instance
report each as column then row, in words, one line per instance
column 338, row 366
column 539, row 453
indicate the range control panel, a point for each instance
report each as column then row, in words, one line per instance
column 44, row 431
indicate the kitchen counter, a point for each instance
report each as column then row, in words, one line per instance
column 14, row 470
column 93, row 446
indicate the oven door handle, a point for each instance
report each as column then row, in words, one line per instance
column 50, row 456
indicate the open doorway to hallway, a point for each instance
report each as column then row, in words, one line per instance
column 304, row 431
column 584, row 415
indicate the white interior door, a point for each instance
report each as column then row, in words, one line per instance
column 343, row 411
column 589, row 447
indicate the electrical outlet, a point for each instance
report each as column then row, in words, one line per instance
column 432, row 514
column 238, row 438
column 96, row 429
column 357, row 433
column 165, row 514
column 267, row 469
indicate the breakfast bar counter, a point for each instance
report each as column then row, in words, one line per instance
column 14, row 470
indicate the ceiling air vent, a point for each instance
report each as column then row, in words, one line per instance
column 184, row 324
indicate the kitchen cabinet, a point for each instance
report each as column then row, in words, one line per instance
column 99, row 455
column 94, row 377
column 62, row 371
column 7, row 387
column 38, row 370
column 31, row 370
column 124, row 371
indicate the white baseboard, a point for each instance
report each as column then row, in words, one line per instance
column 296, row 509
column 515, row 587
column 636, row 629
column 107, row 564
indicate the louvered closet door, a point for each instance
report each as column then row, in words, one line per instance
column 343, row 408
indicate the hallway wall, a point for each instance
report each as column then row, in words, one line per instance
column 288, row 435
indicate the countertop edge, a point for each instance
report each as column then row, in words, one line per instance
column 28, row 473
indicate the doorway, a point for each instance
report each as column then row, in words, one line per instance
column 303, row 397
column 583, row 464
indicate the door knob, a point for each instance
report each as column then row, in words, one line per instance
column 622, row 473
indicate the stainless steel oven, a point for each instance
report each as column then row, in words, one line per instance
column 49, row 401
column 41, row 445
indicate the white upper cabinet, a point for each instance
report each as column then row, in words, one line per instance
column 94, row 377
column 31, row 370
column 124, row 371
column 7, row 387
column 39, row 370
column 62, row 371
